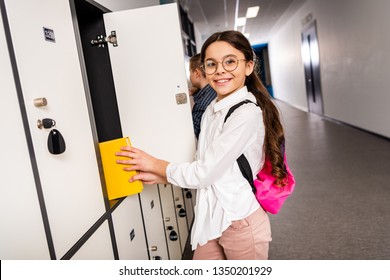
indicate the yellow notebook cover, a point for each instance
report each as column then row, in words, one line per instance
column 117, row 180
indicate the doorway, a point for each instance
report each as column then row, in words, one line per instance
column 311, row 62
column 261, row 52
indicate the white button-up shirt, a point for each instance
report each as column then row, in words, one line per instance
column 223, row 194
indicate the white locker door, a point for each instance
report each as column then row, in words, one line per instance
column 49, row 67
column 22, row 233
column 188, row 195
column 181, row 215
column 97, row 247
column 149, row 73
column 129, row 230
column 154, row 225
column 170, row 222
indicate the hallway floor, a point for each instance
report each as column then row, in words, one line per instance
column 340, row 209
column 341, row 205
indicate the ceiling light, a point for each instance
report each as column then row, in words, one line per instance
column 252, row 12
column 240, row 21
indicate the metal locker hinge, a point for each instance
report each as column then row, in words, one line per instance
column 101, row 41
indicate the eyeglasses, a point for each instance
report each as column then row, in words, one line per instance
column 229, row 63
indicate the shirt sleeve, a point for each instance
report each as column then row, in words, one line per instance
column 241, row 130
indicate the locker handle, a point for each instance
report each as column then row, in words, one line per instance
column 153, row 248
column 40, row 102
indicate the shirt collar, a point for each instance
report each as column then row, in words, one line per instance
column 230, row 100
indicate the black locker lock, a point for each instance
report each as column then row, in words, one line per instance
column 188, row 194
column 173, row 235
column 56, row 142
column 46, row 123
column 182, row 213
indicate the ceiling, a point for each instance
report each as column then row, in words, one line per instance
column 210, row 16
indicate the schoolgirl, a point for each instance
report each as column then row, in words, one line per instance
column 229, row 222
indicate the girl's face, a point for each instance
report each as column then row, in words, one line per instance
column 222, row 81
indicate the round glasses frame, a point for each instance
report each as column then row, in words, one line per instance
column 214, row 68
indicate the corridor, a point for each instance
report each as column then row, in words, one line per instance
column 341, row 205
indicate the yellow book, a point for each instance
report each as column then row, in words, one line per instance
column 117, row 180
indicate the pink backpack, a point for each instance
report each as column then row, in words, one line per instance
column 270, row 196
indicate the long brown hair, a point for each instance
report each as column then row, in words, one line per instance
column 274, row 133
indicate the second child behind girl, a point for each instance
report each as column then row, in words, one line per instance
column 229, row 222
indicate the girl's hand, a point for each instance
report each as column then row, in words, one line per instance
column 143, row 162
column 148, row 178
column 138, row 159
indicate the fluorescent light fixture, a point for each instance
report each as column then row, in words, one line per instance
column 252, row 12
column 240, row 21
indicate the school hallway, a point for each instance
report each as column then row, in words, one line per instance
column 340, row 209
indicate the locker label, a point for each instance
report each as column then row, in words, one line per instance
column 49, row 34
column 132, row 235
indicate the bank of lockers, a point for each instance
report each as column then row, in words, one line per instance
column 54, row 205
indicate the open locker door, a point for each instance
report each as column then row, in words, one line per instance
column 150, row 81
column 152, row 93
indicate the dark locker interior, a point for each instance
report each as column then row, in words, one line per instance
column 98, row 68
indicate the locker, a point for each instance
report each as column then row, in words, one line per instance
column 181, row 215
column 23, row 234
column 48, row 66
column 137, row 98
column 129, row 229
column 154, row 226
column 151, row 51
column 93, row 94
column 188, row 196
column 97, row 247
column 152, row 107
column 172, row 233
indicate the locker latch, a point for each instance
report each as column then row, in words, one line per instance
column 101, row 41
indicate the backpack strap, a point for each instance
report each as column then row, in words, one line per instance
column 243, row 163
column 246, row 171
column 234, row 107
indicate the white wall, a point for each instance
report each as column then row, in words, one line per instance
column 355, row 64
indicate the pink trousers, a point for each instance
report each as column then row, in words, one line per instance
column 246, row 239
